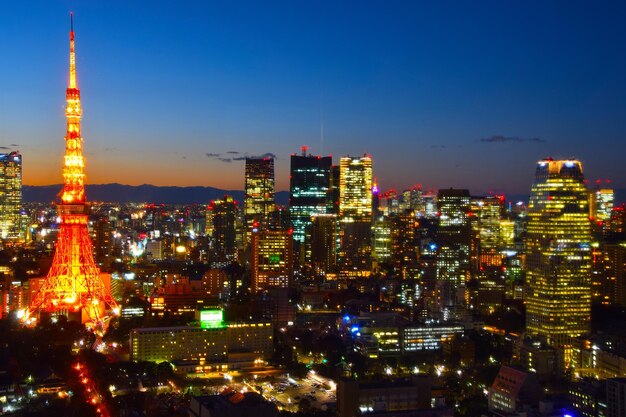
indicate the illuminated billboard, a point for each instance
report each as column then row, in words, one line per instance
column 211, row 318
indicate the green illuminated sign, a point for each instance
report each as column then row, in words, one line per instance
column 211, row 318
column 274, row 259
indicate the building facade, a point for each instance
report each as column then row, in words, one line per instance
column 453, row 243
column 271, row 259
column 259, row 191
column 10, row 195
column 355, row 214
column 221, row 224
column 308, row 190
column 558, row 253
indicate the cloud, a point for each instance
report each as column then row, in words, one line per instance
column 265, row 155
column 219, row 157
column 4, row 147
column 503, row 139
column 184, row 157
column 15, row 144
column 438, row 146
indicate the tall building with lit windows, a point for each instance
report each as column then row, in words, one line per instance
column 453, row 243
column 10, row 194
column 355, row 214
column 271, row 259
column 323, row 243
column 308, row 190
column 558, row 253
column 602, row 204
column 485, row 217
column 381, row 232
column 221, row 220
column 259, row 191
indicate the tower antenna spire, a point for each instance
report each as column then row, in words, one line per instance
column 72, row 82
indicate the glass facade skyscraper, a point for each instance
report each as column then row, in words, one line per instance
column 355, row 214
column 10, row 195
column 222, row 216
column 309, row 195
column 558, row 253
column 259, row 191
column 453, row 243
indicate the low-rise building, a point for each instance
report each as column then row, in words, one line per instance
column 213, row 345
column 358, row 397
column 230, row 403
column 513, row 390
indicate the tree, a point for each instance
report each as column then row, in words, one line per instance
column 164, row 371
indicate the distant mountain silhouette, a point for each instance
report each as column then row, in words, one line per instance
column 120, row 193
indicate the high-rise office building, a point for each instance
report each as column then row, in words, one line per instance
column 103, row 242
column 10, row 195
column 381, row 231
column 308, row 190
column 333, row 190
column 485, row 216
column 558, row 253
column 355, row 187
column 617, row 223
column 323, row 242
column 271, row 259
column 602, row 204
column 453, row 243
column 355, row 213
column 221, row 219
column 404, row 240
column 259, row 191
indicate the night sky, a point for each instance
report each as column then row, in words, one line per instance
column 444, row 93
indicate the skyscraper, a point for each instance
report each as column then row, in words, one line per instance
column 404, row 241
column 259, row 188
column 486, row 213
column 308, row 190
column 323, row 238
column 453, row 243
column 355, row 213
column 558, row 253
column 333, row 190
column 222, row 215
column 355, row 187
column 10, row 194
column 272, row 259
column 603, row 204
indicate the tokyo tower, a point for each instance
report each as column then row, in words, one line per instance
column 73, row 285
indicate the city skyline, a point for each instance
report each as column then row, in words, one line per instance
column 405, row 80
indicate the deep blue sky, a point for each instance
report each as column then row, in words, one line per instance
column 416, row 84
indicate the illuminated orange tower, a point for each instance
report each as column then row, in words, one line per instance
column 74, row 285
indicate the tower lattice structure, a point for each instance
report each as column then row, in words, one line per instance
column 74, row 284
